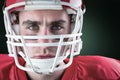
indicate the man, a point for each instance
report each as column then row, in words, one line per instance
column 44, row 41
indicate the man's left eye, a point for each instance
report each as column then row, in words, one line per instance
column 56, row 28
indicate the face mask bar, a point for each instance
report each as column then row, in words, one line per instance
column 74, row 41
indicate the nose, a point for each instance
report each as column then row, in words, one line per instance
column 43, row 31
column 43, row 41
column 43, row 49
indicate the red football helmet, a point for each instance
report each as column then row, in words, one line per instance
column 15, row 41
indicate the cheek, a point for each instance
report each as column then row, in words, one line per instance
column 31, row 51
column 22, row 31
column 68, row 29
column 68, row 26
column 21, row 28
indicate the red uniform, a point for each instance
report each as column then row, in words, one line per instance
column 82, row 68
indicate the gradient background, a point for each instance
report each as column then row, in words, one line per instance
column 100, row 30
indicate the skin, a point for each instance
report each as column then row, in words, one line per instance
column 44, row 22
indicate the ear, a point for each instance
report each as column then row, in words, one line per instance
column 15, row 22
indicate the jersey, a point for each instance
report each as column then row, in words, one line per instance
column 82, row 68
column 93, row 68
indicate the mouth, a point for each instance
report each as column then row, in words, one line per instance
column 46, row 56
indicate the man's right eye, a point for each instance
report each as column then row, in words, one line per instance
column 33, row 27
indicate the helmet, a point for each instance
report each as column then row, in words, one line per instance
column 71, row 43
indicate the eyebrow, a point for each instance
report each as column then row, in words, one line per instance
column 58, row 22
column 38, row 22
column 30, row 22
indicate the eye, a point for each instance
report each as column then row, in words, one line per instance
column 56, row 26
column 33, row 26
column 57, row 29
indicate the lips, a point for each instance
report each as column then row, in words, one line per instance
column 46, row 56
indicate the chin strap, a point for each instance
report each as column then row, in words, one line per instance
column 42, row 65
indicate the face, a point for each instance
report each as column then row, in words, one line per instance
column 43, row 22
